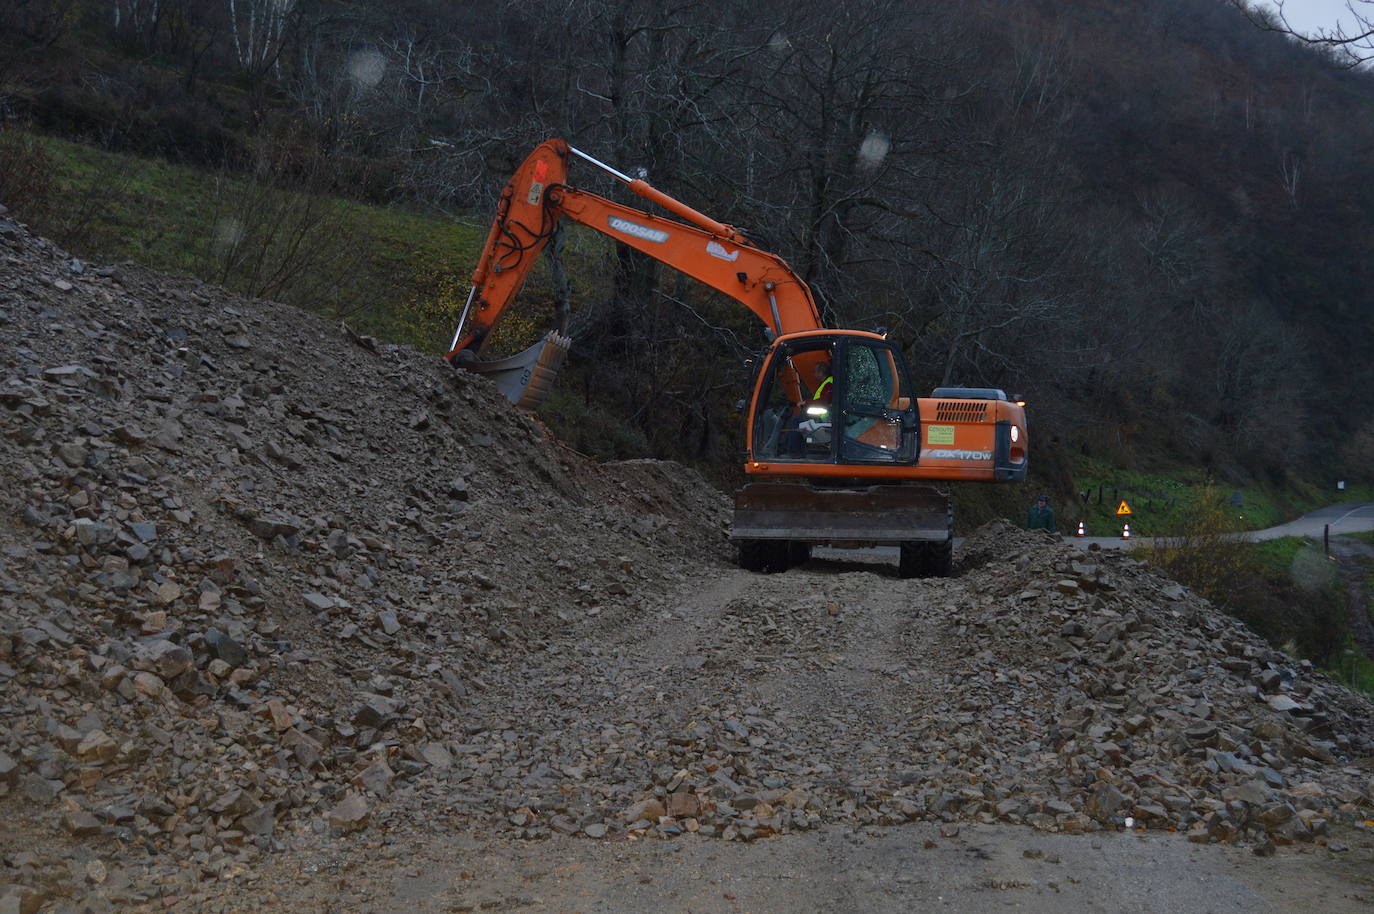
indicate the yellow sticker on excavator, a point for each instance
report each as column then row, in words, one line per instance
column 939, row 434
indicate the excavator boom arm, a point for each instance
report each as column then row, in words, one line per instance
column 760, row 281
column 537, row 197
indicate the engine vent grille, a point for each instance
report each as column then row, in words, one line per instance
column 961, row 411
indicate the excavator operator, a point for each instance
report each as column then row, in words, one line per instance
column 825, row 383
column 810, row 422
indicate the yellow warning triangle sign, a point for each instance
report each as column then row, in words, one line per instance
column 1124, row 508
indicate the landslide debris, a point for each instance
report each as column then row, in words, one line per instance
column 1067, row 690
column 270, row 592
column 254, row 569
column 1137, row 700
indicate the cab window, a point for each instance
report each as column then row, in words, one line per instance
column 792, row 421
column 879, row 424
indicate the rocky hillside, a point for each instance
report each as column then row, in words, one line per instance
column 276, row 597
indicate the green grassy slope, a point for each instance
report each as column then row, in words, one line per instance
column 385, row 269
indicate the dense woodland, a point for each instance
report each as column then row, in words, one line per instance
column 1152, row 219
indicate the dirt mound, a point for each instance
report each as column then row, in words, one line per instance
column 1156, row 706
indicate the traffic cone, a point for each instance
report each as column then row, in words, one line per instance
column 1081, row 530
column 1125, row 531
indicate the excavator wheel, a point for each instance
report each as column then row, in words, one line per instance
column 941, row 557
column 750, row 556
column 766, row 556
column 779, row 554
column 913, row 560
column 925, row 559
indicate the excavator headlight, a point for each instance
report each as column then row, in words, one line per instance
column 1015, row 434
column 817, row 411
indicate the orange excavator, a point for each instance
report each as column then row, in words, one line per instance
column 838, row 448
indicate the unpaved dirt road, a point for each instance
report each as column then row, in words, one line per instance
column 837, row 670
column 910, row 868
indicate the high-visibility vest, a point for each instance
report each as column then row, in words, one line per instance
column 821, row 389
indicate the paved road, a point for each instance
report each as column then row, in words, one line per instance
column 1349, row 517
column 1345, row 518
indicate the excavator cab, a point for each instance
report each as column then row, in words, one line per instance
column 859, row 411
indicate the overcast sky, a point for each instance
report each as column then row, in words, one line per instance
column 1312, row 16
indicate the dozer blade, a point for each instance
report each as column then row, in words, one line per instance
column 527, row 377
column 876, row 514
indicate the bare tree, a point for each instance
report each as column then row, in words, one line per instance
column 1259, row 381
column 137, row 17
column 1358, row 453
column 993, row 276
column 1351, row 43
column 258, row 29
column 838, row 111
column 1175, row 242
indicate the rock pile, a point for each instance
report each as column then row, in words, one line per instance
column 253, row 568
column 1068, row 691
column 1161, row 711
column 267, row 586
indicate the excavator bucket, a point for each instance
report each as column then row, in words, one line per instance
column 527, row 377
column 880, row 514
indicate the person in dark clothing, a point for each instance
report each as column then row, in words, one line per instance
column 1041, row 515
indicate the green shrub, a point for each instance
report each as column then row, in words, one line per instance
column 1207, row 554
column 1353, row 668
column 1287, row 591
column 590, row 429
